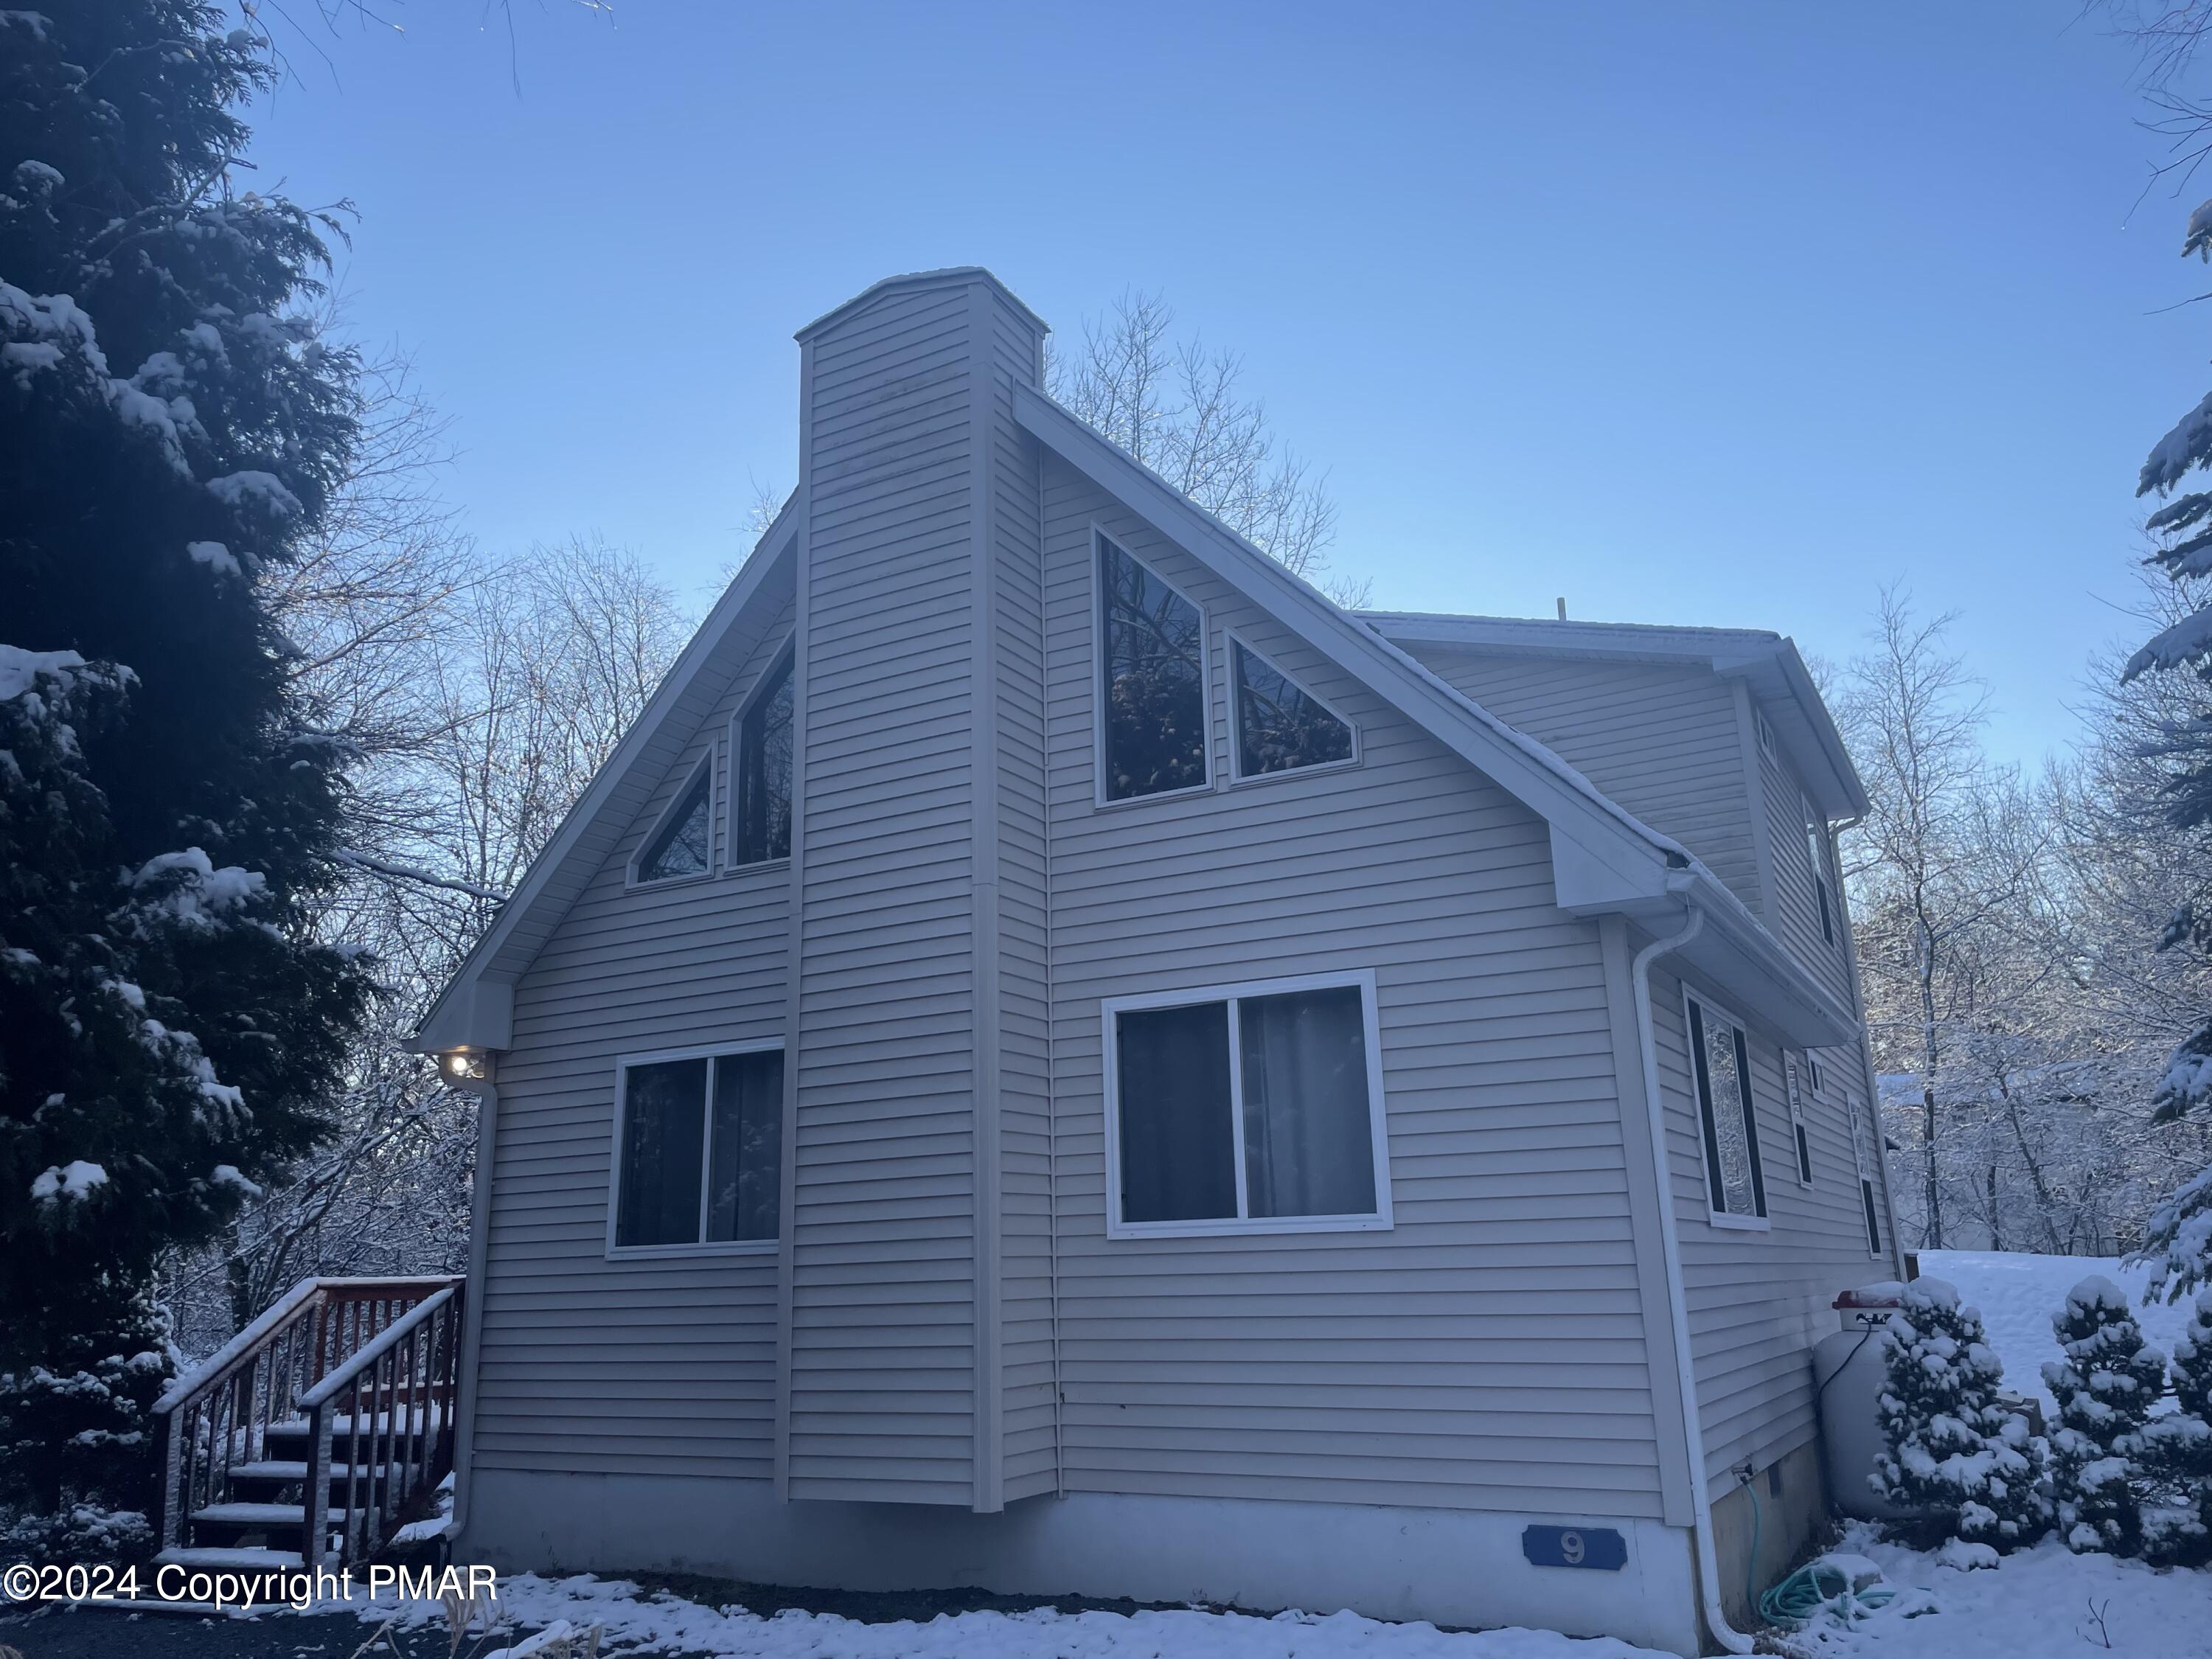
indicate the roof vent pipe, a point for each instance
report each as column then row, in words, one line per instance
column 1563, row 608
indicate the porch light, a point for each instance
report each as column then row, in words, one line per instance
column 462, row 1066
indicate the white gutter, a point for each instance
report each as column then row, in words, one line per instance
column 1709, row 1577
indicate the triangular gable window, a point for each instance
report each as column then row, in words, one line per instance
column 1280, row 726
column 679, row 844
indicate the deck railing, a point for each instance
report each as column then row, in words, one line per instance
column 218, row 1417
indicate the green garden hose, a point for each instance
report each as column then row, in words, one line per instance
column 1817, row 1584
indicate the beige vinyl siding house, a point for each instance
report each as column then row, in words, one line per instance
column 1227, row 1169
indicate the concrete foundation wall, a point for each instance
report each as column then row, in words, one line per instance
column 1787, row 1521
column 1452, row 1567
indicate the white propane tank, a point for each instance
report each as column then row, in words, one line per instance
column 1848, row 1371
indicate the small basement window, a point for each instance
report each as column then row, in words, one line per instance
column 1152, row 691
column 680, row 843
column 1249, row 1108
column 1280, row 726
column 1736, row 1183
column 698, row 1147
column 762, row 830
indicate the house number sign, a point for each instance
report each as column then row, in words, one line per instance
column 1601, row 1547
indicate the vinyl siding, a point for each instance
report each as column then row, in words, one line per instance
column 1797, row 920
column 1027, row 1418
column 882, row 1322
column 1759, row 1301
column 1661, row 740
column 663, row 1365
column 1488, row 1350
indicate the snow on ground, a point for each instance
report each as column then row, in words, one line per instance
column 2043, row 1603
column 635, row 1621
column 2018, row 1294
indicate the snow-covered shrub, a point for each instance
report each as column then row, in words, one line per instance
column 1967, row 1467
column 2176, row 1452
column 2106, row 1387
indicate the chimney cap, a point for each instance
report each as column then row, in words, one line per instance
column 950, row 276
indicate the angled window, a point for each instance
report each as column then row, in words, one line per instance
column 1280, row 726
column 1816, row 848
column 1799, row 1139
column 1247, row 1109
column 681, row 843
column 1867, row 1158
column 763, row 829
column 698, row 1145
column 1735, row 1184
column 1152, row 691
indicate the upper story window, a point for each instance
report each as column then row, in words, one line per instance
column 1151, row 692
column 680, row 844
column 763, row 829
column 699, row 1151
column 1766, row 734
column 1280, row 726
column 1736, row 1183
column 1816, row 848
column 1246, row 1109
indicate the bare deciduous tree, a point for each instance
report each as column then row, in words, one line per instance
column 1180, row 409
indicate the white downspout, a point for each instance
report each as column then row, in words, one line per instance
column 464, row 1403
column 1708, row 1579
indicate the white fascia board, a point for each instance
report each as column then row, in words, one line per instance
column 1737, row 953
column 1606, row 836
column 475, row 1013
column 458, row 1017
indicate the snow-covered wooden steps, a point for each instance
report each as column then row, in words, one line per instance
column 200, row 1558
column 358, row 1374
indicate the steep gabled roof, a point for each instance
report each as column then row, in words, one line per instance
column 1604, row 858
column 477, row 1006
column 1769, row 663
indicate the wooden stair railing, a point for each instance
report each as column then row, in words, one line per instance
column 370, row 1366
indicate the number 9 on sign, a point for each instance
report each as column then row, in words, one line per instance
column 1599, row 1548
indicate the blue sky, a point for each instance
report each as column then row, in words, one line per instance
column 1718, row 314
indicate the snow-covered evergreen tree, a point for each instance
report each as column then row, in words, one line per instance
column 168, row 1019
column 2104, row 1388
column 1968, row 1468
column 2176, row 1451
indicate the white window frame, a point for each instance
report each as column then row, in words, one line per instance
column 784, row 654
column 1715, row 1213
column 1856, row 1111
column 1232, row 641
column 633, row 879
column 1100, row 536
column 1111, row 1008
column 1797, row 1080
column 1766, row 745
column 709, row 1052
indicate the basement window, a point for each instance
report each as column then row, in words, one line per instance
column 698, row 1152
column 1735, row 1182
column 680, row 844
column 1153, row 682
column 1280, row 726
column 763, row 829
column 1246, row 1109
